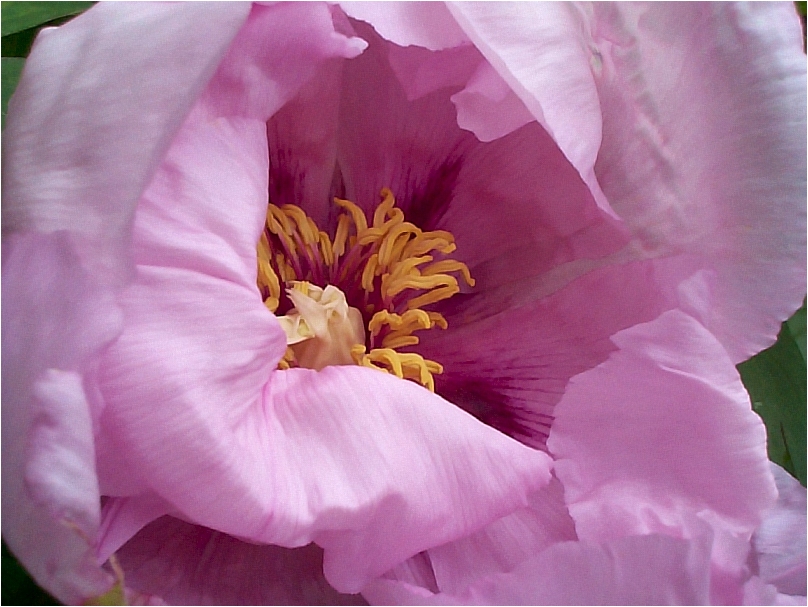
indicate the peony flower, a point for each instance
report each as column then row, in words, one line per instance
column 425, row 303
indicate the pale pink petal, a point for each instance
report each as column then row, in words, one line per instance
column 704, row 152
column 277, row 51
column 54, row 317
column 328, row 456
column 488, row 107
column 71, row 157
column 426, row 24
column 779, row 542
column 202, row 347
column 661, row 438
column 758, row 592
column 540, row 50
column 650, row 570
column 189, row 565
column 506, row 543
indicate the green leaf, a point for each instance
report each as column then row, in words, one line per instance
column 776, row 382
column 796, row 325
column 11, row 69
column 19, row 16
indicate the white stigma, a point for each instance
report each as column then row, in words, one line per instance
column 322, row 327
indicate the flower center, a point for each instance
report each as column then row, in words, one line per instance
column 375, row 280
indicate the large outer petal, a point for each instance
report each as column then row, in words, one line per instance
column 85, row 133
column 704, row 152
column 661, row 438
column 280, row 48
column 73, row 167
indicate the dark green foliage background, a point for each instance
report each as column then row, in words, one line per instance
column 775, row 378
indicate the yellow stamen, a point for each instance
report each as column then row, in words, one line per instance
column 341, row 236
column 357, row 214
column 369, row 272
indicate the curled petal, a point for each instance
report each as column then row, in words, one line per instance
column 54, row 317
column 355, row 436
column 277, row 51
column 488, row 107
column 661, row 438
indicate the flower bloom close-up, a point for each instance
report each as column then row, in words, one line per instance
column 422, row 303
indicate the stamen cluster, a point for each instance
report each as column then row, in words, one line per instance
column 387, row 270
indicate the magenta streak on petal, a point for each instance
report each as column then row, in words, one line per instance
column 511, row 369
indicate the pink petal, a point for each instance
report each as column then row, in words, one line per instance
column 355, row 444
column 71, row 159
column 54, row 317
column 488, row 107
column 426, row 24
column 650, row 570
column 540, row 220
column 278, row 50
column 189, row 565
column 540, row 50
column 779, row 542
column 703, row 153
column 249, row 466
column 661, row 438
column 421, row 71
column 206, row 206
column 757, row 592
